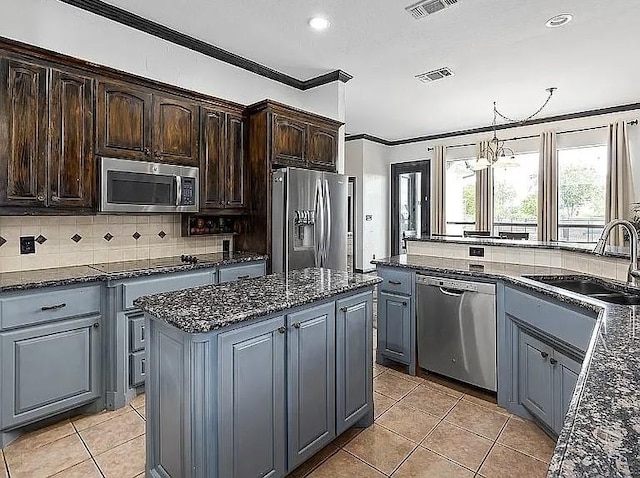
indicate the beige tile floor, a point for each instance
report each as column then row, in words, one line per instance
column 423, row 428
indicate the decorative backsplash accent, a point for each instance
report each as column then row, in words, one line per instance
column 63, row 241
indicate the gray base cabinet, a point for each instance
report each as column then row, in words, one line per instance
column 252, row 410
column 540, row 352
column 311, row 382
column 259, row 398
column 396, row 318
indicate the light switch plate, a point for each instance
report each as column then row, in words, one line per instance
column 27, row 245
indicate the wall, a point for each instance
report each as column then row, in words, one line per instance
column 59, row 250
column 353, row 167
column 65, row 29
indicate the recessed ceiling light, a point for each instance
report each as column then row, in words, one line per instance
column 559, row 20
column 319, row 23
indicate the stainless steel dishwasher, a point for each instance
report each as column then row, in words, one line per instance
column 457, row 329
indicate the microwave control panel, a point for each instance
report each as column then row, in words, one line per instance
column 188, row 191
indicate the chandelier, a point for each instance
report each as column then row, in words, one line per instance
column 495, row 154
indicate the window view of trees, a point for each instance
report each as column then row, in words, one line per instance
column 461, row 197
column 582, row 174
column 515, row 196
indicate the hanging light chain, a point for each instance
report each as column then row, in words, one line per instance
column 538, row 111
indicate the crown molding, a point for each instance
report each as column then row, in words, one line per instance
column 145, row 25
column 488, row 129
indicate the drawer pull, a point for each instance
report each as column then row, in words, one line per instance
column 53, row 307
column 296, row 325
column 404, row 304
column 395, row 282
column 544, row 355
column 96, row 325
column 243, row 277
column 282, row 330
column 142, row 333
column 553, row 361
column 343, row 309
column 143, row 366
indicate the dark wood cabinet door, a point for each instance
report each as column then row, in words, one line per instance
column 235, row 191
column 289, row 139
column 322, row 147
column 71, row 126
column 175, row 131
column 23, row 134
column 123, row 121
column 212, row 169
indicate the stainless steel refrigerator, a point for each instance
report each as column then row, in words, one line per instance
column 309, row 220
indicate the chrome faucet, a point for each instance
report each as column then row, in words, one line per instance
column 634, row 272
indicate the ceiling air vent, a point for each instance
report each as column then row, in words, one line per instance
column 434, row 75
column 424, row 8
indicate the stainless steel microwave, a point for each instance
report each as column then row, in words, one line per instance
column 140, row 186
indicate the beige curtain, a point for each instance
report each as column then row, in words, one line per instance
column 619, row 183
column 438, row 188
column 484, row 193
column 548, row 188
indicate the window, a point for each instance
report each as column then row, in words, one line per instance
column 582, row 174
column 461, row 197
column 515, row 196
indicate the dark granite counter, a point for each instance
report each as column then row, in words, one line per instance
column 206, row 308
column 601, row 433
column 618, row 252
column 62, row 276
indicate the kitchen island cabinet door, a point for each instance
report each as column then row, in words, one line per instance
column 49, row 368
column 535, row 377
column 123, row 121
column 251, row 408
column 354, row 361
column 566, row 371
column 311, row 381
column 71, row 175
column 23, row 134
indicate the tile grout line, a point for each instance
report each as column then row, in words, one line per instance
column 93, row 459
column 493, row 445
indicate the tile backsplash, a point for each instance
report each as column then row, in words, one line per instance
column 80, row 240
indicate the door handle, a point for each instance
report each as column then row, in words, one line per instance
column 53, row 307
column 317, row 228
column 178, row 190
column 327, row 232
column 451, row 292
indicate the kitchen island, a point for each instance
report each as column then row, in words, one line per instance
column 251, row 378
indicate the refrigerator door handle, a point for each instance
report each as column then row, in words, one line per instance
column 318, row 225
column 327, row 231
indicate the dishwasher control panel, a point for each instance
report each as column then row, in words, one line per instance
column 457, row 285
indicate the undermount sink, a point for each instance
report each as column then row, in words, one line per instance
column 610, row 294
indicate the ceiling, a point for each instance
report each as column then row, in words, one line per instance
column 499, row 50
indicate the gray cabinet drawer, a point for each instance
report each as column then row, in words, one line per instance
column 30, row 307
column 229, row 274
column 136, row 334
column 564, row 323
column 132, row 290
column 396, row 281
column 137, row 368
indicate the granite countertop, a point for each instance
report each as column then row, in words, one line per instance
column 61, row 276
column 601, row 433
column 587, row 248
column 211, row 307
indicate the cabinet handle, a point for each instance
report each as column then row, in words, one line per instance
column 143, row 366
column 282, row 330
column 544, row 354
column 40, row 198
column 96, row 325
column 395, row 282
column 55, row 198
column 142, row 333
column 243, row 277
column 296, row 325
column 147, row 151
column 553, row 361
column 404, row 303
column 53, row 307
column 343, row 309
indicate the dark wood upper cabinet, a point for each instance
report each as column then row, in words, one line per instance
column 71, row 173
column 322, row 147
column 175, row 130
column 222, row 158
column 123, row 121
column 212, row 180
column 235, row 162
column 23, row 134
column 289, row 141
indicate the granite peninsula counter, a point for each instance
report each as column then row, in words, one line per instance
column 253, row 377
column 601, row 431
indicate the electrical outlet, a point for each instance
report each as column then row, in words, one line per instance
column 27, row 245
column 476, row 251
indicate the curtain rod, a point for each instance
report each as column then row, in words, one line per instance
column 630, row 123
